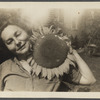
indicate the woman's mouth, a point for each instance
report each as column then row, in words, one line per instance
column 21, row 47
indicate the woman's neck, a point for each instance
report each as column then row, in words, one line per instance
column 24, row 56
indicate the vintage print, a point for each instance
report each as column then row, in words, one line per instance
column 49, row 48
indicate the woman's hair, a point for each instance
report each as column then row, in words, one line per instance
column 24, row 27
column 4, row 52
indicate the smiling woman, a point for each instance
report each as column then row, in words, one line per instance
column 11, row 16
column 17, row 39
column 11, row 37
column 42, row 60
column 46, row 65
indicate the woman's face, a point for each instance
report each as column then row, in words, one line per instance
column 16, row 39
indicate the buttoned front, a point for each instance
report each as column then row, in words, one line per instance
column 13, row 77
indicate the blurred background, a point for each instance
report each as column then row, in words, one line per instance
column 81, row 26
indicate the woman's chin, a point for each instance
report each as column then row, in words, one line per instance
column 22, row 52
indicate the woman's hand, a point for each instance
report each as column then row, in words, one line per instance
column 87, row 76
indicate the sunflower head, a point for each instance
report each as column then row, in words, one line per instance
column 50, row 51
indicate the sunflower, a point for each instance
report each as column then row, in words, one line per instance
column 50, row 54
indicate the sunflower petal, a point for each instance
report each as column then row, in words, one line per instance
column 72, row 63
column 62, row 68
column 61, row 71
column 38, row 70
column 32, row 62
column 49, row 74
column 35, row 34
column 46, row 30
column 33, row 37
column 66, row 66
column 41, row 30
column 53, row 73
column 56, row 72
column 44, row 72
column 34, row 67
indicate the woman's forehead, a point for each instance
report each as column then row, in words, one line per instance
column 9, row 31
column 11, row 28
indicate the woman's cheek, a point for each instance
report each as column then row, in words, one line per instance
column 23, row 37
column 11, row 47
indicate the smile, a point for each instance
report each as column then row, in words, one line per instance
column 21, row 47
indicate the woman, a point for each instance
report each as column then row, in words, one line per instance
column 22, row 73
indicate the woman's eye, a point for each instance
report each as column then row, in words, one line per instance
column 18, row 34
column 9, row 41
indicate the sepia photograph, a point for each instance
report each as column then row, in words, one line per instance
column 49, row 47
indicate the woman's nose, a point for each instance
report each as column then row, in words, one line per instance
column 18, row 43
